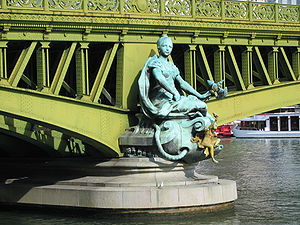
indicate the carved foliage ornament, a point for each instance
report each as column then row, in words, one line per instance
column 208, row 8
column 236, row 10
column 104, row 5
column 288, row 13
column 65, row 4
column 263, row 12
column 178, row 7
column 25, row 3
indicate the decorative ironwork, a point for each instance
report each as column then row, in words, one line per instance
column 104, row 5
column 263, row 11
column 206, row 8
column 25, row 3
column 288, row 13
column 65, row 4
column 136, row 6
column 178, row 7
column 214, row 9
column 154, row 6
column 237, row 10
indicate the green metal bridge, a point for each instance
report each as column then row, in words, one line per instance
column 68, row 68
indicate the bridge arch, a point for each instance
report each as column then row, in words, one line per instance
column 94, row 124
column 248, row 103
column 57, row 64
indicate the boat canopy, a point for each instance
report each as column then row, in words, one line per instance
column 256, row 118
column 264, row 117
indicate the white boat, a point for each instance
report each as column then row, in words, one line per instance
column 269, row 125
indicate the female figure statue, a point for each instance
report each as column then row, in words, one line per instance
column 161, row 87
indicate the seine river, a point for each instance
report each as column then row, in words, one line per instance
column 267, row 172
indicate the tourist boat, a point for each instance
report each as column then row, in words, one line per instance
column 269, row 125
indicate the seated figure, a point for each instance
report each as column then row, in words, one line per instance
column 172, row 125
column 161, row 87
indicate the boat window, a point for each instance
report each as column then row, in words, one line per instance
column 253, row 125
column 284, row 123
column 273, row 123
column 294, row 123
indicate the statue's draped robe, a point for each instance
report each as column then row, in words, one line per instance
column 155, row 100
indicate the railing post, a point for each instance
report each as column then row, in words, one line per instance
column 222, row 9
column 122, row 5
column 250, row 11
column 276, row 13
column 85, row 5
column 46, row 5
column 162, row 8
column 193, row 6
column 298, row 14
column 3, row 4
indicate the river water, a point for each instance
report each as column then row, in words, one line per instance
column 267, row 172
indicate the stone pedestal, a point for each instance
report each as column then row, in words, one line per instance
column 131, row 184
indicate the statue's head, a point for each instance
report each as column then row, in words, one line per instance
column 164, row 45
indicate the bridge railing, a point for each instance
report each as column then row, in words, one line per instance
column 193, row 9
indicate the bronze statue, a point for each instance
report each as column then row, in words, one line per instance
column 209, row 140
column 161, row 87
column 169, row 119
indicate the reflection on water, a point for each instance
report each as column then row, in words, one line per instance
column 268, row 181
column 267, row 175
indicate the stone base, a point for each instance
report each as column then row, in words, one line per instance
column 130, row 184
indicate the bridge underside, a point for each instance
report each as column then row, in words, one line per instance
column 68, row 81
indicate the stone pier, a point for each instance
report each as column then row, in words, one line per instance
column 130, row 184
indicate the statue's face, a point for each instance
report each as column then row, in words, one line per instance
column 165, row 47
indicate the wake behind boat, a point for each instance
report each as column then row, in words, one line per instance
column 272, row 125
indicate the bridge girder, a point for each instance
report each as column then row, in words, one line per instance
column 93, row 124
column 248, row 103
column 85, row 59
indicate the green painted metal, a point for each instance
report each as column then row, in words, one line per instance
column 131, row 59
column 82, row 70
column 206, row 65
column 219, row 64
column 103, row 73
column 43, row 74
column 3, row 60
column 44, row 138
column 19, row 68
column 96, row 125
column 254, row 101
column 261, row 66
column 247, row 67
column 290, row 71
column 273, row 64
column 296, row 62
column 190, row 66
column 74, row 56
column 62, row 69
column 239, row 79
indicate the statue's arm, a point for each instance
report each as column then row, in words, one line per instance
column 190, row 90
column 157, row 74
